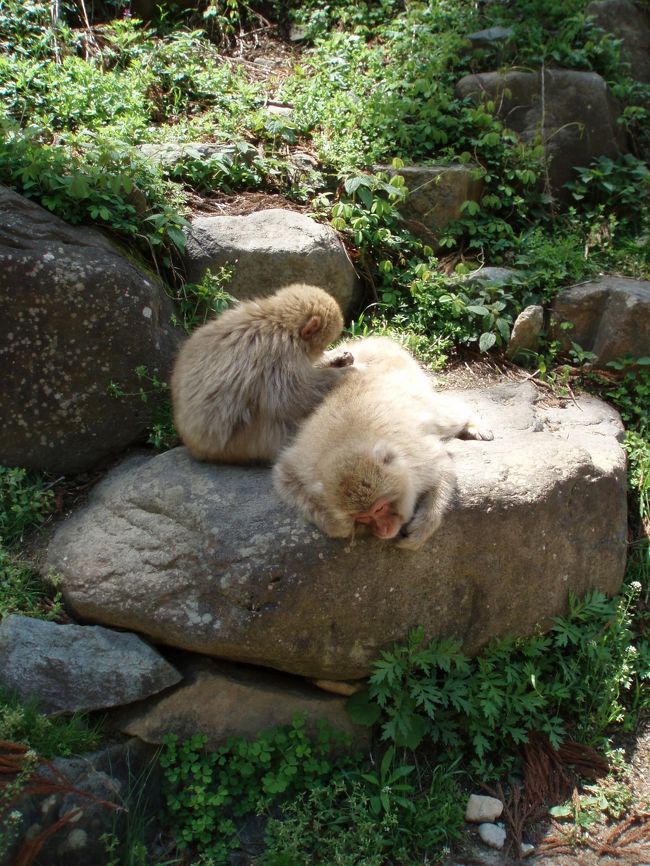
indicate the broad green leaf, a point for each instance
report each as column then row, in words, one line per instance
column 486, row 341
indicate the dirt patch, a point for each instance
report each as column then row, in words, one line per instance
column 240, row 204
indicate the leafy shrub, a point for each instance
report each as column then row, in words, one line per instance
column 317, row 18
column 162, row 433
column 25, row 501
column 49, row 737
column 224, row 171
column 198, row 302
column 553, row 258
column 623, row 185
column 342, row 821
column 206, row 792
column 484, row 707
column 23, row 591
column 26, row 29
column 321, row 808
column 103, row 186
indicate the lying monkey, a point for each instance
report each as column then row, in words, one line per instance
column 243, row 382
column 372, row 454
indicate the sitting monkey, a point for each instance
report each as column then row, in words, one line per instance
column 243, row 382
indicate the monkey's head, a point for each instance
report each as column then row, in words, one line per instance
column 373, row 489
column 312, row 317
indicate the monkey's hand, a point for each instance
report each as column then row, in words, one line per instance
column 343, row 359
column 416, row 531
column 431, row 507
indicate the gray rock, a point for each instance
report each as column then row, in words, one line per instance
column 630, row 24
column 70, row 668
column 490, row 36
column 169, row 154
column 526, row 331
column 436, row 194
column 223, row 568
column 77, row 315
column 610, row 317
column 270, row 249
column 280, row 109
column 92, row 796
column 574, row 113
column 481, row 808
column 298, row 34
column 494, row 275
column 492, row 835
column 224, row 700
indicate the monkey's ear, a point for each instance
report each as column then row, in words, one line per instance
column 310, row 328
column 383, row 453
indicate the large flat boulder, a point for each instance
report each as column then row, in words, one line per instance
column 207, row 558
column 77, row 315
column 270, row 249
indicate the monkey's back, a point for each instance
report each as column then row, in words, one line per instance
column 370, row 405
column 242, row 382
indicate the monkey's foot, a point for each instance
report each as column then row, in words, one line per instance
column 475, row 430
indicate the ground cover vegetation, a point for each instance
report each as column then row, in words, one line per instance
column 373, row 85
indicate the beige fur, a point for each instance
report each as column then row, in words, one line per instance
column 377, row 437
column 242, row 382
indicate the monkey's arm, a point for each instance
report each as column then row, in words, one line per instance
column 431, row 506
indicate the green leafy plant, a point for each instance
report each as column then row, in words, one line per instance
column 388, row 786
column 207, row 792
column 620, row 184
column 485, row 707
column 25, row 501
column 232, row 168
column 24, row 591
column 352, row 822
column 162, row 433
column 49, row 737
column 110, row 184
column 630, row 392
column 198, row 302
column 608, row 799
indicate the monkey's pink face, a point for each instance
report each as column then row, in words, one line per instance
column 382, row 519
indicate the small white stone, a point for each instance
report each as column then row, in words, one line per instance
column 77, row 840
column 481, row 808
column 147, row 312
column 526, row 849
column 492, row 835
